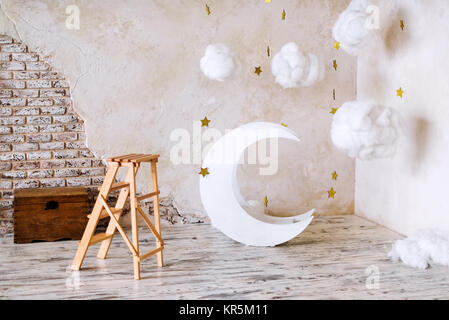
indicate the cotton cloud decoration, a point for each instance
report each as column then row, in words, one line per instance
column 418, row 250
column 365, row 130
column 217, row 62
column 350, row 30
column 291, row 67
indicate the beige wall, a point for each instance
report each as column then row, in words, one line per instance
column 134, row 72
column 409, row 192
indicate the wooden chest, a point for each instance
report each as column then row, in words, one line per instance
column 49, row 214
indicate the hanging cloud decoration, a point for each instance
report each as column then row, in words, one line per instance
column 291, row 67
column 418, row 250
column 217, row 62
column 351, row 28
column 365, row 130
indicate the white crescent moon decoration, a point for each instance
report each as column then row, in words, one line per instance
column 220, row 194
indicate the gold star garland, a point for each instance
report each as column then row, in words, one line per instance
column 331, row 193
column 205, row 122
column 204, row 172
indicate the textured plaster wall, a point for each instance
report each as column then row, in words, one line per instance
column 134, row 73
column 409, row 192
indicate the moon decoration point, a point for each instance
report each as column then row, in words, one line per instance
column 220, row 194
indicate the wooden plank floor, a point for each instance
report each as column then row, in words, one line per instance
column 328, row 261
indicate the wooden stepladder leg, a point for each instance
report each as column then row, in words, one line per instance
column 123, row 196
column 157, row 216
column 93, row 221
column 134, row 227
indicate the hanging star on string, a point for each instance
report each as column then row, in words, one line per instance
column 205, row 122
column 334, row 175
column 402, row 24
column 284, row 125
column 257, row 70
column 335, row 65
column 265, row 201
column 337, row 45
column 283, row 14
column 332, row 193
column 204, row 172
column 400, row 92
column 207, row 9
column 333, row 110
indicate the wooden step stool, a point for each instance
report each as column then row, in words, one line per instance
column 102, row 210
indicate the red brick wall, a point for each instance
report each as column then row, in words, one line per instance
column 42, row 140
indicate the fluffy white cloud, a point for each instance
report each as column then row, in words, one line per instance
column 365, row 130
column 418, row 250
column 291, row 67
column 217, row 62
column 350, row 29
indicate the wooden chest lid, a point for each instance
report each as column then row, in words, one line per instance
column 35, row 193
column 28, row 196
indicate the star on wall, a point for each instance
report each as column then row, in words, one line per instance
column 334, row 175
column 402, row 24
column 268, row 51
column 207, row 10
column 205, row 122
column 335, row 65
column 332, row 193
column 337, row 45
column 267, row 1
column 204, row 172
column 265, row 201
column 257, row 70
column 333, row 110
column 400, row 92
column 283, row 14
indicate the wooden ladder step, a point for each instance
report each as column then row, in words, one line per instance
column 146, row 255
column 148, row 195
column 98, row 238
column 105, row 214
column 118, row 185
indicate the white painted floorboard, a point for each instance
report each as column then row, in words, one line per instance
column 327, row 261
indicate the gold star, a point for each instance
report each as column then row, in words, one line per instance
column 402, row 24
column 268, row 51
column 337, row 45
column 207, row 9
column 334, row 175
column 335, row 65
column 284, row 125
column 283, row 14
column 400, row 92
column 205, row 122
column 267, row 1
column 204, row 172
column 257, row 70
column 333, row 110
column 332, row 193
column 265, row 201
